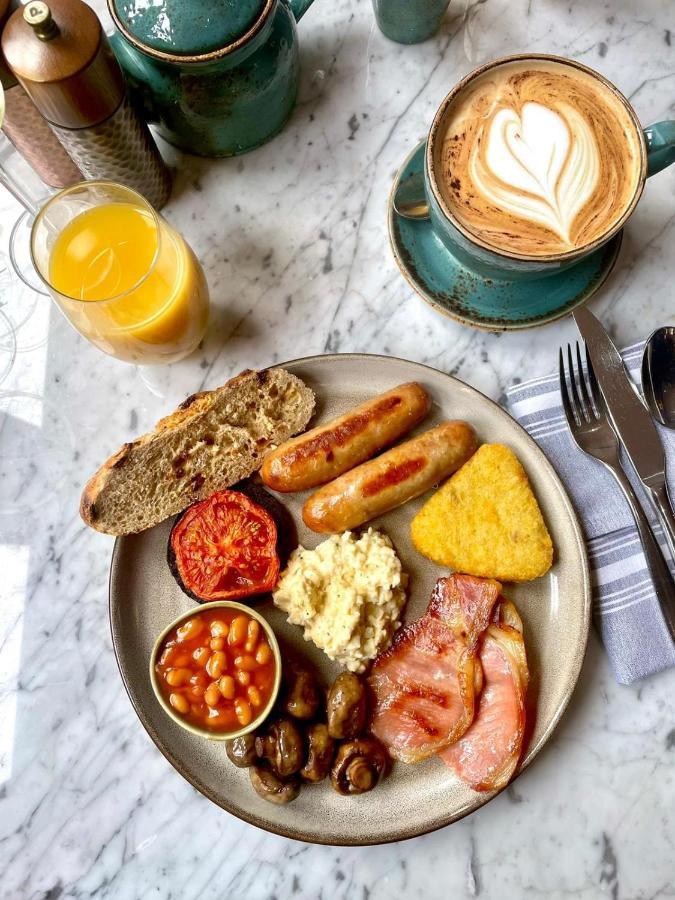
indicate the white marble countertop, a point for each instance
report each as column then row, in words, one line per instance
column 293, row 239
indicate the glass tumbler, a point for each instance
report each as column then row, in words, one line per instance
column 123, row 277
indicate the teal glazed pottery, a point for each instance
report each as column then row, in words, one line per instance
column 657, row 152
column 660, row 140
column 409, row 21
column 217, row 77
column 460, row 293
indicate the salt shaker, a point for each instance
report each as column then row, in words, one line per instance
column 62, row 58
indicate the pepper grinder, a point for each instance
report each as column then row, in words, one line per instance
column 28, row 131
column 63, row 60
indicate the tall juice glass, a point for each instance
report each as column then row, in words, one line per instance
column 123, row 277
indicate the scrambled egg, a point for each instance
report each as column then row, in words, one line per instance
column 347, row 594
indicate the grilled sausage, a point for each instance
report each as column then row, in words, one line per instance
column 325, row 452
column 390, row 480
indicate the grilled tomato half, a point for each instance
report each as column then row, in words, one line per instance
column 224, row 548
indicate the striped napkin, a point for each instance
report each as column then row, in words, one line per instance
column 626, row 611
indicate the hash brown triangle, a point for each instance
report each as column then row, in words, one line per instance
column 485, row 520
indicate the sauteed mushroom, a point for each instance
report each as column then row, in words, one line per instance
column 283, row 747
column 241, row 751
column 273, row 789
column 346, row 706
column 321, row 747
column 359, row 766
column 303, row 694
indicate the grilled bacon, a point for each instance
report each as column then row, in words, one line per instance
column 486, row 756
column 424, row 687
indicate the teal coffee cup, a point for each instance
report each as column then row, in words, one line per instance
column 518, row 187
column 409, row 21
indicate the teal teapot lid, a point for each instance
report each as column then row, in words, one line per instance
column 187, row 27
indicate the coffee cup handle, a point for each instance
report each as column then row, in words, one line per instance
column 660, row 139
column 410, row 199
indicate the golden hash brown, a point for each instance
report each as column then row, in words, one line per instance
column 486, row 521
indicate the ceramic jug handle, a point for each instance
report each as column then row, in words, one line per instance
column 660, row 139
column 299, row 7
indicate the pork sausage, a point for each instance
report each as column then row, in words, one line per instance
column 329, row 450
column 390, row 480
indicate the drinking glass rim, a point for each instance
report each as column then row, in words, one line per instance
column 530, row 257
column 106, row 184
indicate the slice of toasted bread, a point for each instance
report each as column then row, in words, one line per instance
column 486, row 521
column 214, row 439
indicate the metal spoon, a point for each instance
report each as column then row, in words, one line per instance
column 658, row 375
column 409, row 199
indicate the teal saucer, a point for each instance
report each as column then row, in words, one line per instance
column 457, row 292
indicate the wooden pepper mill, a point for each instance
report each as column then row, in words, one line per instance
column 62, row 58
column 28, row 131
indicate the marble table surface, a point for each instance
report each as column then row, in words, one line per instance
column 293, row 240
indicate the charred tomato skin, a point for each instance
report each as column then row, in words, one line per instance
column 173, row 566
column 247, row 506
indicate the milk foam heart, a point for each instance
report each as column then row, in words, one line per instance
column 538, row 165
column 537, row 157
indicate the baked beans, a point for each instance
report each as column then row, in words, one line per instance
column 216, row 669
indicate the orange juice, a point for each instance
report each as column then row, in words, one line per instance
column 129, row 283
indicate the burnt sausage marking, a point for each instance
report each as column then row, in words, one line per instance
column 327, row 441
column 392, row 476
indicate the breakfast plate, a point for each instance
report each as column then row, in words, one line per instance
column 413, row 799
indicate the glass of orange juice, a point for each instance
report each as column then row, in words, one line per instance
column 123, row 277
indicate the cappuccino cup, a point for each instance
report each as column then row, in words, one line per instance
column 532, row 163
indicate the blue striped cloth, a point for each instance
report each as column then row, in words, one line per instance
column 626, row 612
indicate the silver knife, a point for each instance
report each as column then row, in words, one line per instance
column 631, row 418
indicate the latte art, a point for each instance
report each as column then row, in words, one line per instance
column 538, row 157
column 538, row 166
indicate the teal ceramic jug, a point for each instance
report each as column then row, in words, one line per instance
column 217, row 77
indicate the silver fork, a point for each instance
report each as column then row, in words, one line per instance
column 593, row 433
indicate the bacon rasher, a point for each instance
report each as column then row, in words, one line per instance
column 424, row 687
column 486, row 756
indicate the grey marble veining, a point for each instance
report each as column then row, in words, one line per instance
column 293, row 239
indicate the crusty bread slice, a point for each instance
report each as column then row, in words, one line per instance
column 214, row 439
